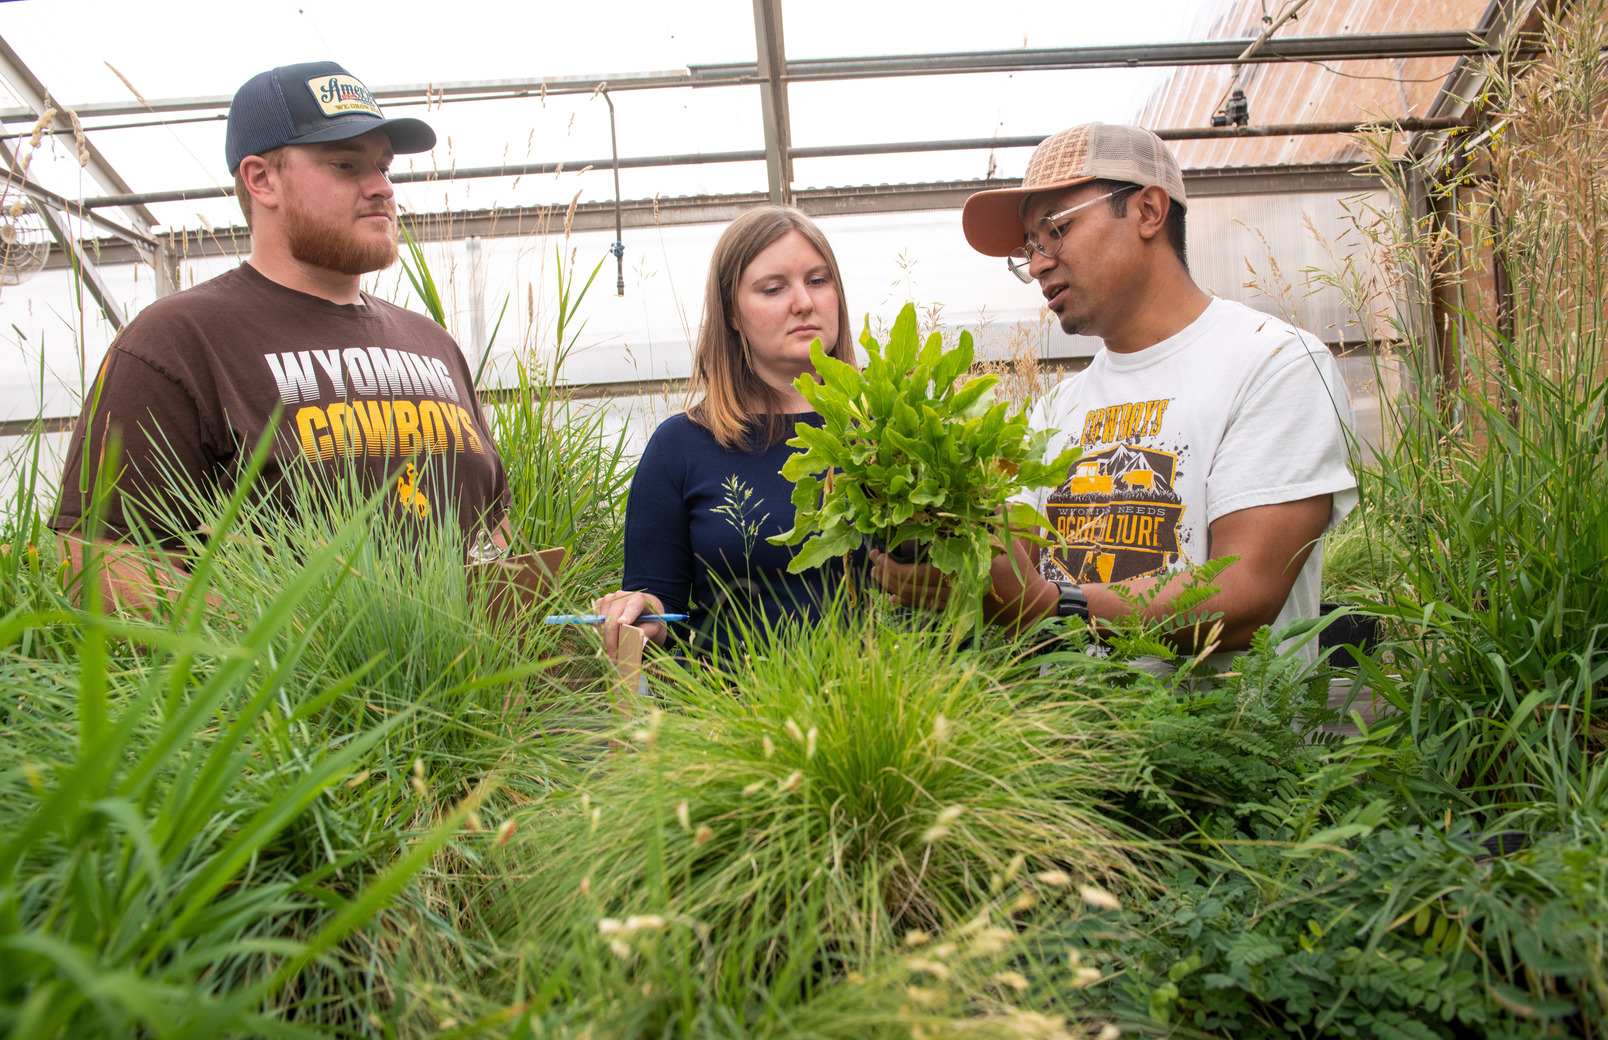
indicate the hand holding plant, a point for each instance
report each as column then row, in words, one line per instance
column 905, row 453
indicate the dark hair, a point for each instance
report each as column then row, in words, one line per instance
column 728, row 398
column 1175, row 214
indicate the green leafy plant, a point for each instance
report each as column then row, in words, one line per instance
column 907, row 452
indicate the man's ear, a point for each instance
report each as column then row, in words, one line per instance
column 1152, row 203
column 262, row 180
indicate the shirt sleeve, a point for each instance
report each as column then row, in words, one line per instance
column 162, row 461
column 1287, row 439
column 658, row 538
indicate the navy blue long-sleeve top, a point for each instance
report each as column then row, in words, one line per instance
column 684, row 545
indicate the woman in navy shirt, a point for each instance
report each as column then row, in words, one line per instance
column 708, row 492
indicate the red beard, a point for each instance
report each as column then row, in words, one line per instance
column 335, row 249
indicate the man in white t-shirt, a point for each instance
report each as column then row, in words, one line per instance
column 1207, row 429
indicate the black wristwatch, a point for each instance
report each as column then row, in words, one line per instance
column 1072, row 602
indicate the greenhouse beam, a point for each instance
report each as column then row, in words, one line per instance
column 982, row 144
column 1341, row 47
column 773, row 100
column 516, row 222
column 32, row 91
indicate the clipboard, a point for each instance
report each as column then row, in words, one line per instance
column 514, row 584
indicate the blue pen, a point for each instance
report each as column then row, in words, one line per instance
column 598, row 619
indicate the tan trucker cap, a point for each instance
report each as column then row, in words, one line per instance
column 992, row 220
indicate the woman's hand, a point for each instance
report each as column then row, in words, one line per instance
column 623, row 608
column 913, row 584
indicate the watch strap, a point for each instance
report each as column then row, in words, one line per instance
column 1072, row 602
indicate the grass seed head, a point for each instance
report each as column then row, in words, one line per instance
column 684, row 815
column 132, row 89
column 608, row 926
column 932, row 834
column 1058, row 878
column 770, row 747
column 38, row 134
column 79, row 139
column 753, row 788
column 916, row 937
column 505, row 830
column 1014, row 979
column 1083, row 978
column 950, row 814
column 1038, row 1026
column 569, row 214
column 644, row 923
column 791, row 781
column 704, row 834
column 809, row 743
column 358, row 779
column 937, row 969
column 1099, row 898
column 620, row 949
column 992, row 939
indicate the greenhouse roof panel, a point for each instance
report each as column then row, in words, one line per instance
column 123, row 56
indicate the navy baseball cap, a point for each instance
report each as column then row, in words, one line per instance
column 311, row 103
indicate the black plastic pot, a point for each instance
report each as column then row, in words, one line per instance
column 1352, row 630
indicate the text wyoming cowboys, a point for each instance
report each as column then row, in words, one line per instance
column 411, row 407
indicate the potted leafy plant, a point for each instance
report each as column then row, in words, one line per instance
column 907, row 451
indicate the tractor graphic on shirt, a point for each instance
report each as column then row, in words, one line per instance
column 1118, row 516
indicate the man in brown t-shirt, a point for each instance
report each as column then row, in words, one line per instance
column 366, row 387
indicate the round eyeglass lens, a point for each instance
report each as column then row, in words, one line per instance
column 1018, row 262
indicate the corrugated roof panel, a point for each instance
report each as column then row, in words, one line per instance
column 1306, row 92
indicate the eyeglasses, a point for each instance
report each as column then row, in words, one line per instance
column 1046, row 242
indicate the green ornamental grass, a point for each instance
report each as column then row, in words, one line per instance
column 784, row 819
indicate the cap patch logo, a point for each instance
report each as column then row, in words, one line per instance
column 342, row 95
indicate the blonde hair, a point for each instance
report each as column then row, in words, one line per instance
column 726, row 396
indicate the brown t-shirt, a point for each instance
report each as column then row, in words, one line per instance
column 372, row 388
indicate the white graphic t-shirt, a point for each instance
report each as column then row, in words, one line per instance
column 1237, row 410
